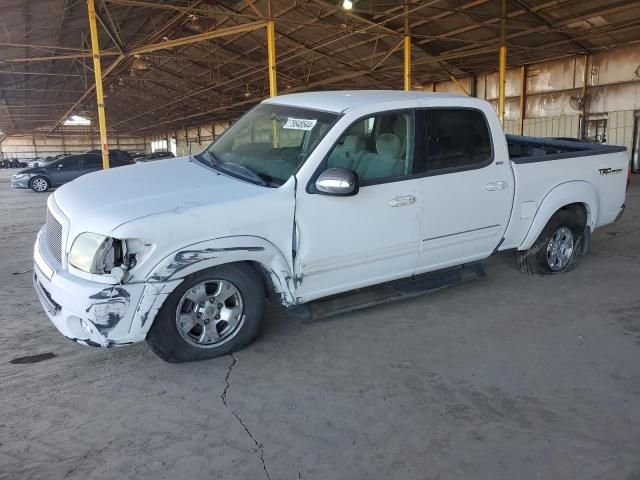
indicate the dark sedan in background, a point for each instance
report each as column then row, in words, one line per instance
column 63, row 170
column 154, row 156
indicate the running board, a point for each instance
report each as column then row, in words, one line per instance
column 386, row 292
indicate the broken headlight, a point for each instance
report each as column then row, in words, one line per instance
column 94, row 253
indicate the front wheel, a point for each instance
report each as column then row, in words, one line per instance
column 212, row 313
column 557, row 249
column 39, row 184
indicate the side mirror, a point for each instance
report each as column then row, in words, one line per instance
column 337, row 181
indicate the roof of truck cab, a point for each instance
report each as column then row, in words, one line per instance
column 339, row 101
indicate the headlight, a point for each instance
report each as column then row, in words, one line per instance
column 18, row 176
column 88, row 252
column 95, row 253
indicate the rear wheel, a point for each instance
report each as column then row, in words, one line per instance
column 39, row 184
column 557, row 249
column 212, row 313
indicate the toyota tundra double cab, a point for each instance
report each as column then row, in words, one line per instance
column 307, row 196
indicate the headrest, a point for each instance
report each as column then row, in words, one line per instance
column 400, row 127
column 388, row 145
column 352, row 144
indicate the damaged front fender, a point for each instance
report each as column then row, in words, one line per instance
column 211, row 253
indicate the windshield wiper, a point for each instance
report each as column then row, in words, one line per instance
column 210, row 158
column 244, row 171
column 236, row 168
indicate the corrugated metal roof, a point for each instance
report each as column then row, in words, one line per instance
column 45, row 63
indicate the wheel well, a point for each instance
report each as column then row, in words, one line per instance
column 580, row 211
column 265, row 278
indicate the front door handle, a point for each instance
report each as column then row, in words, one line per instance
column 493, row 186
column 402, row 201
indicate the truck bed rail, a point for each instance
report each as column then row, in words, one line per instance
column 533, row 149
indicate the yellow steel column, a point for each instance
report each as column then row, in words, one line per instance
column 407, row 50
column 523, row 97
column 407, row 62
column 503, row 62
column 273, row 82
column 102, row 123
column 271, row 54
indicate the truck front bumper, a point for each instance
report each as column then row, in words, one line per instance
column 93, row 313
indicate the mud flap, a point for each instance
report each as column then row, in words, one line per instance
column 585, row 241
column 386, row 292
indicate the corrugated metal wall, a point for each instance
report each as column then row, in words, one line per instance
column 554, row 91
column 40, row 145
column 191, row 140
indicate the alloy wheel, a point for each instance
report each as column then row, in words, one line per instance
column 210, row 313
column 560, row 249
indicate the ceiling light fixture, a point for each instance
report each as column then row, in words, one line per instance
column 139, row 63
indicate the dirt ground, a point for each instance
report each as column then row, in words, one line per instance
column 510, row 377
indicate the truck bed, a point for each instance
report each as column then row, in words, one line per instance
column 541, row 165
column 533, row 149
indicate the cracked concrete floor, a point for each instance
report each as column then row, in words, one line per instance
column 511, row 377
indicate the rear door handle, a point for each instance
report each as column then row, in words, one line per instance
column 402, row 201
column 493, row 186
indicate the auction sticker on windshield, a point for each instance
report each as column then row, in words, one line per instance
column 299, row 124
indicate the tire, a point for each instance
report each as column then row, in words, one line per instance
column 232, row 292
column 39, row 184
column 564, row 227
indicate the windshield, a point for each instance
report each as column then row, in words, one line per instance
column 269, row 143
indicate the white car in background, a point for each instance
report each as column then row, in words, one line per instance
column 306, row 196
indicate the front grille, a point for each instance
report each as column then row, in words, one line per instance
column 54, row 236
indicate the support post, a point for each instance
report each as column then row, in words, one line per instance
column 460, row 85
column 523, row 98
column 503, row 61
column 95, row 48
column 407, row 50
column 585, row 103
column 407, row 63
column 273, row 82
column 271, row 55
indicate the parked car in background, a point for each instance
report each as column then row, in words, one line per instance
column 12, row 163
column 63, row 170
column 36, row 162
column 154, row 156
column 115, row 154
column 41, row 161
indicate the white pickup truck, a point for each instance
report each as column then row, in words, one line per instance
column 307, row 196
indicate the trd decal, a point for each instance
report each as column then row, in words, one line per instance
column 609, row 171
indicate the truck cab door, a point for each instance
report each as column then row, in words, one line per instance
column 348, row 242
column 467, row 187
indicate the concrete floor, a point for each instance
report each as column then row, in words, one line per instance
column 511, row 377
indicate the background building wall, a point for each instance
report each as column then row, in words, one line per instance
column 76, row 141
column 603, row 88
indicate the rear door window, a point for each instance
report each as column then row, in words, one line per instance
column 452, row 139
column 69, row 163
column 92, row 161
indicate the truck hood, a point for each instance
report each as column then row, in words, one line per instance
column 101, row 201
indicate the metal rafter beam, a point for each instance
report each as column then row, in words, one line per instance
column 120, row 59
column 219, row 32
